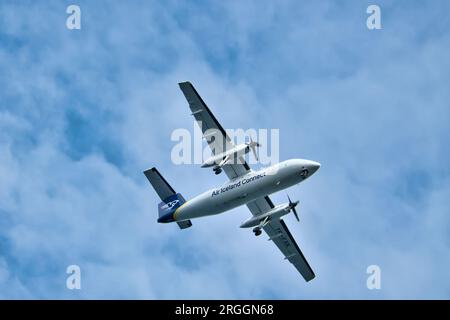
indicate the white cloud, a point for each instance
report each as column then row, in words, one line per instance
column 372, row 112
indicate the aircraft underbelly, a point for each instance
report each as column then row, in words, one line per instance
column 210, row 203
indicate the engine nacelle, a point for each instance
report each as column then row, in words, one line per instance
column 276, row 212
column 224, row 157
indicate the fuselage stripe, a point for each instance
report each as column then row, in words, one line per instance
column 177, row 210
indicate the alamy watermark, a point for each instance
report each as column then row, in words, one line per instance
column 73, row 21
column 373, row 22
column 263, row 144
column 73, row 281
column 374, row 278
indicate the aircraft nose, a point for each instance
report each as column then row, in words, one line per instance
column 313, row 167
column 308, row 168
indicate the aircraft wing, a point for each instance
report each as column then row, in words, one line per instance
column 279, row 233
column 215, row 135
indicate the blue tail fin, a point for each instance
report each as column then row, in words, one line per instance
column 171, row 200
column 168, row 206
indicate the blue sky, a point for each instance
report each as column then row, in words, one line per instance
column 84, row 112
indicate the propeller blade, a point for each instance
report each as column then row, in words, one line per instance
column 292, row 206
column 253, row 146
column 295, row 214
column 254, row 153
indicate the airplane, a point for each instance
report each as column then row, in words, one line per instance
column 245, row 187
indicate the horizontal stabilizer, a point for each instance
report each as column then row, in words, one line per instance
column 184, row 224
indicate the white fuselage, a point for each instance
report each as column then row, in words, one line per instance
column 247, row 188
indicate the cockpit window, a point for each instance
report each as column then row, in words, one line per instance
column 304, row 173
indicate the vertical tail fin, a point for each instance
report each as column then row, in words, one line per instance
column 161, row 186
column 170, row 199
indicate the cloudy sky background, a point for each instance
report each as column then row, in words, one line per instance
column 84, row 112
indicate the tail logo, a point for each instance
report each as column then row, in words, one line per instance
column 170, row 204
column 168, row 207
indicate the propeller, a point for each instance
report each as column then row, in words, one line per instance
column 292, row 206
column 253, row 145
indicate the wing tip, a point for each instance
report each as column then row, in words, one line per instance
column 153, row 169
column 184, row 83
column 308, row 279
